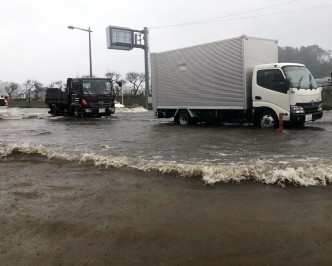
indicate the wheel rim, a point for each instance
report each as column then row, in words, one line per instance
column 184, row 119
column 267, row 121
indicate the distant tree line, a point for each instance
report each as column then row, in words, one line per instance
column 35, row 89
column 316, row 59
column 136, row 79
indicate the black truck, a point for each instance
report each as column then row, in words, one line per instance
column 82, row 97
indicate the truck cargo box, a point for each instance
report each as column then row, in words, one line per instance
column 215, row 75
column 55, row 95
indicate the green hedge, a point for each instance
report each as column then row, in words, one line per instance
column 327, row 106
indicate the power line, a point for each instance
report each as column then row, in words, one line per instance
column 277, row 13
column 231, row 15
column 221, row 19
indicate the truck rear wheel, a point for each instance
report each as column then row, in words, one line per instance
column 184, row 118
column 268, row 119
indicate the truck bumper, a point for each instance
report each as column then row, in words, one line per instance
column 301, row 118
column 97, row 111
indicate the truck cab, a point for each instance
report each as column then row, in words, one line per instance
column 90, row 96
column 287, row 89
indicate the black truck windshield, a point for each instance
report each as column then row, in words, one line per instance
column 300, row 77
column 97, row 87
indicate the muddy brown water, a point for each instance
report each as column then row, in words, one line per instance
column 135, row 190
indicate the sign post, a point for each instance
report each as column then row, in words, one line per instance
column 120, row 38
column 281, row 122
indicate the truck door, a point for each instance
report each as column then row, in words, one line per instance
column 75, row 92
column 269, row 90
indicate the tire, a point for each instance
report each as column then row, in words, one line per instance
column 53, row 111
column 184, row 118
column 75, row 113
column 268, row 119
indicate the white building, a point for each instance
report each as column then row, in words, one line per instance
column 324, row 81
column 2, row 88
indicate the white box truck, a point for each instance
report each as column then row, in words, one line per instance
column 233, row 80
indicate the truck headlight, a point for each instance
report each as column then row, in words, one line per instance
column 297, row 109
column 320, row 107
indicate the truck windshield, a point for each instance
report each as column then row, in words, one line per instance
column 97, row 87
column 300, row 77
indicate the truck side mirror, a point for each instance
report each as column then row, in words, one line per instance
column 119, row 83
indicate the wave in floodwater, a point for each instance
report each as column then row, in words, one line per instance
column 308, row 172
column 27, row 113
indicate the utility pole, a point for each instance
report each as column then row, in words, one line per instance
column 146, row 60
column 89, row 31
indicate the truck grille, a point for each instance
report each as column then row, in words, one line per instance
column 100, row 104
column 310, row 107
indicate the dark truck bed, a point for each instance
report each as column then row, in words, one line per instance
column 56, row 96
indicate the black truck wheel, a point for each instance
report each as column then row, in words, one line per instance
column 184, row 118
column 53, row 111
column 268, row 119
column 74, row 113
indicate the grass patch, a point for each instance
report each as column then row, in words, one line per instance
column 327, row 106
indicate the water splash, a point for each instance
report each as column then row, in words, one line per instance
column 309, row 172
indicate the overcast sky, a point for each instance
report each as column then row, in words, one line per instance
column 36, row 44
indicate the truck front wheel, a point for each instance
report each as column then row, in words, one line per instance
column 268, row 119
column 53, row 111
column 75, row 113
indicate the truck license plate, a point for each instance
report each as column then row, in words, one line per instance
column 308, row 117
column 101, row 110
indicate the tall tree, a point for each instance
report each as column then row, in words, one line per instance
column 11, row 89
column 28, row 85
column 136, row 79
column 316, row 59
column 38, row 89
column 112, row 75
column 59, row 84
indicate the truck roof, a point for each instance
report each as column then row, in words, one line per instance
column 89, row 78
column 278, row 65
column 203, row 44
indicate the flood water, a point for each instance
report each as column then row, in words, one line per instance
column 132, row 189
column 134, row 138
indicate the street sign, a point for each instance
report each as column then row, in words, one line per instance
column 119, row 38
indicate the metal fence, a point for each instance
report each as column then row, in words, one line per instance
column 132, row 100
column 25, row 103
